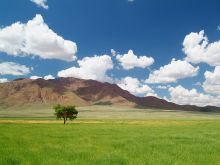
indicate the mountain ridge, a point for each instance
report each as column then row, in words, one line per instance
column 81, row 92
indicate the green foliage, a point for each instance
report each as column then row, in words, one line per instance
column 65, row 112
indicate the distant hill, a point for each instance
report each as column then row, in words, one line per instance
column 21, row 92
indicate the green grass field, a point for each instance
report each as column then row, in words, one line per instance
column 106, row 113
column 154, row 142
column 110, row 135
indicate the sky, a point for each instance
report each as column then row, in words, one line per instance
column 168, row 49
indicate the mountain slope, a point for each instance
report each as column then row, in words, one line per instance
column 26, row 91
column 80, row 93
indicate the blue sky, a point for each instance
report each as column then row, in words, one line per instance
column 150, row 28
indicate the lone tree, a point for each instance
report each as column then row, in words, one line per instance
column 65, row 112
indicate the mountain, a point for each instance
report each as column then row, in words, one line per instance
column 21, row 92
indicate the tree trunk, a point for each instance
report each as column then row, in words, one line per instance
column 64, row 118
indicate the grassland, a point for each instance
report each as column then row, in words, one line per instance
column 154, row 142
column 110, row 135
column 106, row 113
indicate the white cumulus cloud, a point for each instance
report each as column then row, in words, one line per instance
column 11, row 68
column 161, row 87
column 134, row 86
column 94, row 68
column 3, row 80
column 181, row 95
column 199, row 50
column 152, row 94
column 48, row 77
column 130, row 60
column 35, row 77
column 41, row 3
column 173, row 71
column 212, row 81
column 35, row 38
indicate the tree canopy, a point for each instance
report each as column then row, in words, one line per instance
column 65, row 112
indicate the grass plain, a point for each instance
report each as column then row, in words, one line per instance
column 110, row 135
column 106, row 113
